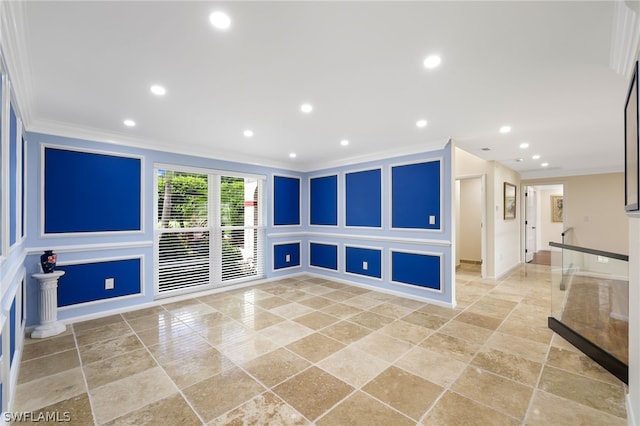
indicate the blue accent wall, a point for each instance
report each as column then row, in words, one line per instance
column 23, row 311
column 286, row 200
column 12, row 331
column 323, row 256
column 280, row 252
column 324, row 200
column 85, row 282
column 22, row 186
column 415, row 193
column 88, row 192
column 355, row 256
column 383, row 203
column 364, row 198
column 13, row 175
column 416, row 269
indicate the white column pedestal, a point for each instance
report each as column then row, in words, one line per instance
column 49, row 325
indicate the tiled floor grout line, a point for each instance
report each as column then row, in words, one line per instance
column 146, row 347
column 473, row 298
column 84, row 376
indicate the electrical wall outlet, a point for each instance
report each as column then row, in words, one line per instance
column 365, row 266
column 109, row 283
column 432, row 220
column 287, row 258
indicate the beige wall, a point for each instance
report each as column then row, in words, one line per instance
column 503, row 236
column 549, row 231
column 471, row 220
column 506, row 236
column 468, row 165
column 594, row 208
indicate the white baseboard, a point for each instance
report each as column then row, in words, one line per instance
column 619, row 317
column 387, row 291
column 165, row 300
column 631, row 418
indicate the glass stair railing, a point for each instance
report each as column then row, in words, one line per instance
column 590, row 304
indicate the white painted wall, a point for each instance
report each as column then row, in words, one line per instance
column 456, row 203
column 633, row 398
column 506, row 236
column 633, row 234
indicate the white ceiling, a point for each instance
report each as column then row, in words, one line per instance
column 540, row 67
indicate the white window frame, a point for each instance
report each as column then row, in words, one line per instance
column 214, row 228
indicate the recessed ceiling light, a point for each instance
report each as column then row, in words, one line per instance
column 505, row 129
column 421, row 123
column 519, row 160
column 344, row 142
column 129, row 123
column 432, row 62
column 158, row 90
column 524, row 145
column 220, row 20
column 535, row 157
column 248, row 133
column 292, row 155
column 544, row 164
column 306, row 108
column 486, row 149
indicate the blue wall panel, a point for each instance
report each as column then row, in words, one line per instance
column 12, row 331
column 415, row 195
column 280, row 252
column 87, row 192
column 23, row 182
column 286, row 200
column 13, row 175
column 323, row 256
column 417, row 269
column 23, row 311
column 324, row 200
column 363, row 198
column 355, row 256
column 85, row 282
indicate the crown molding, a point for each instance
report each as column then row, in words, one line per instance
column 14, row 53
column 379, row 155
column 625, row 37
column 56, row 128
column 559, row 173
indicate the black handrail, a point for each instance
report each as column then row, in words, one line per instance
column 565, row 231
column 595, row 252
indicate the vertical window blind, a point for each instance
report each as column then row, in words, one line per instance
column 209, row 230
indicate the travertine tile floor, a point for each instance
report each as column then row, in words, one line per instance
column 307, row 350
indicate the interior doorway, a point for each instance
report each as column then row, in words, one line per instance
column 470, row 223
column 544, row 221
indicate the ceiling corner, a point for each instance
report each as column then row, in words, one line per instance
column 15, row 55
column 625, row 37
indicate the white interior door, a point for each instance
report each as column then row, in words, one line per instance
column 530, row 222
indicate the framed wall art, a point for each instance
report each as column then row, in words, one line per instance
column 556, row 208
column 509, row 201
